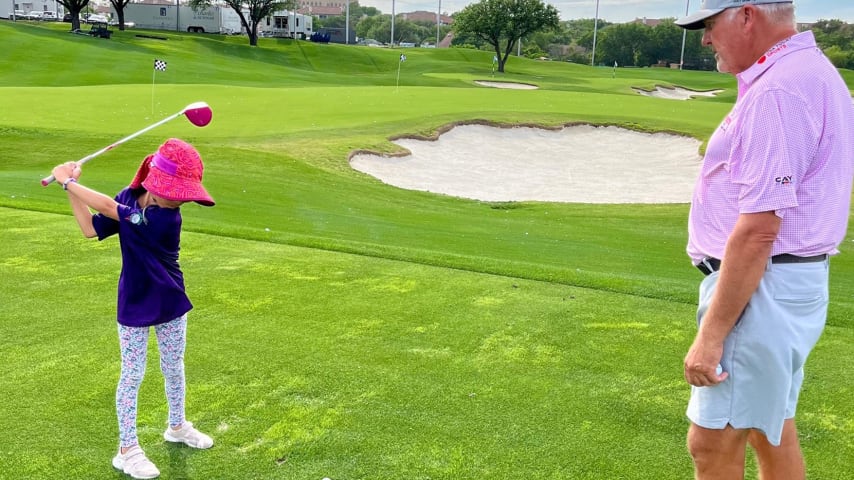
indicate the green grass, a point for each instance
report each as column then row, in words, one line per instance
column 343, row 327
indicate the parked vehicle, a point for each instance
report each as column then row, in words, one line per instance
column 19, row 14
column 49, row 16
column 34, row 15
column 96, row 18
column 115, row 23
column 214, row 19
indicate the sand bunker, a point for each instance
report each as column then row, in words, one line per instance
column 583, row 164
column 676, row 93
column 515, row 86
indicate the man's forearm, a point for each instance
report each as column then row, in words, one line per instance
column 743, row 265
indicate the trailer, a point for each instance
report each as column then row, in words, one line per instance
column 215, row 19
column 288, row 24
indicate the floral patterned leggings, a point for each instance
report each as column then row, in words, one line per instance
column 171, row 341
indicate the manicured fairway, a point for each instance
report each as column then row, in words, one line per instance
column 344, row 328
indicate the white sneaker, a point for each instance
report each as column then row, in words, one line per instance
column 135, row 464
column 188, row 435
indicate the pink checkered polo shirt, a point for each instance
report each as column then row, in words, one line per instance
column 786, row 146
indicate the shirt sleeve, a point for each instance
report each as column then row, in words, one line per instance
column 771, row 153
column 105, row 226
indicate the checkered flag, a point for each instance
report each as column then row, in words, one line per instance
column 159, row 65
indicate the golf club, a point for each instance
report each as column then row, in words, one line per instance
column 199, row 114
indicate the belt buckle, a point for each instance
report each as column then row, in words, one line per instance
column 706, row 266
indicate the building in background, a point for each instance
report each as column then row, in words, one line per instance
column 27, row 6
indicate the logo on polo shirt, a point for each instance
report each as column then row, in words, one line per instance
column 784, row 180
column 773, row 51
column 137, row 218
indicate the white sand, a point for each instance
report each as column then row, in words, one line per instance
column 576, row 164
column 510, row 85
column 676, row 93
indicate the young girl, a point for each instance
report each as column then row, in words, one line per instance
column 147, row 217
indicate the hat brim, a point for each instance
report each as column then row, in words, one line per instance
column 176, row 189
column 696, row 20
column 141, row 173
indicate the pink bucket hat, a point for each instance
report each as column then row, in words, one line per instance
column 174, row 172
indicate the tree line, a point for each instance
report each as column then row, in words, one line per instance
column 626, row 44
column 639, row 45
column 370, row 23
column 500, row 25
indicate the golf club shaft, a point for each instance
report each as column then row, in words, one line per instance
column 50, row 179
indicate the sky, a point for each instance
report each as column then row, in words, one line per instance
column 619, row 11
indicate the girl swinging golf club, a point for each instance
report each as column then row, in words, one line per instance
column 147, row 217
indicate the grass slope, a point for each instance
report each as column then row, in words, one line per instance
column 345, row 328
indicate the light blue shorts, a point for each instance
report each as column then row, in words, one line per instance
column 765, row 352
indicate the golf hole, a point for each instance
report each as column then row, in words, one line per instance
column 579, row 164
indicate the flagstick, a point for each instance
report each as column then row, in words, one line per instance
column 399, row 61
column 153, row 74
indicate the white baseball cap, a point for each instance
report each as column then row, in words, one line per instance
column 710, row 8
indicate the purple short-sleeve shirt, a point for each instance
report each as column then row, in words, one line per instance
column 787, row 146
column 151, row 284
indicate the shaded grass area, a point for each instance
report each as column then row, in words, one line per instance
column 345, row 328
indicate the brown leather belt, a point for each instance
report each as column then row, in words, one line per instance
column 711, row 264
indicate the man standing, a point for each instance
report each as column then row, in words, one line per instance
column 770, row 205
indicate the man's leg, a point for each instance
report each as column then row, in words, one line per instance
column 779, row 463
column 717, row 454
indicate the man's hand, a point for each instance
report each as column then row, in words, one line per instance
column 747, row 251
column 702, row 363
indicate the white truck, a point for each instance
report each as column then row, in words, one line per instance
column 215, row 19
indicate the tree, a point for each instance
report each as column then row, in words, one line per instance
column 580, row 31
column 332, row 21
column 379, row 28
column 839, row 57
column 635, row 44
column 501, row 23
column 120, row 5
column 376, row 27
column 626, row 44
column 698, row 56
column 666, row 41
column 74, row 8
column 357, row 13
column 830, row 33
column 251, row 12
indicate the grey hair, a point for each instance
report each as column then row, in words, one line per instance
column 779, row 13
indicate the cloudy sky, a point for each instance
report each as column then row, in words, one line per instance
column 624, row 10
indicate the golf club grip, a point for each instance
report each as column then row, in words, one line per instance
column 50, row 178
